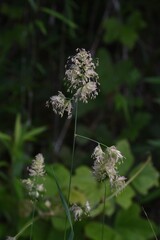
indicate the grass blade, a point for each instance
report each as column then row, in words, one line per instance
column 64, row 203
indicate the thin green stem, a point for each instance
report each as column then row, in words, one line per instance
column 126, row 184
column 33, row 214
column 130, row 180
column 104, row 206
column 25, row 227
column 151, row 226
column 72, row 160
column 90, row 139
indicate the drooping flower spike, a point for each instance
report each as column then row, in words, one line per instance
column 105, row 166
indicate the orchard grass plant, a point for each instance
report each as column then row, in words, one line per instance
column 83, row 85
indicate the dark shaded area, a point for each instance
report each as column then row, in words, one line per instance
column 36, row 39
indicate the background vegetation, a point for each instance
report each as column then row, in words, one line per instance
column 36, row 39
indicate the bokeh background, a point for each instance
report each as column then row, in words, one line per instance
column 36, row 38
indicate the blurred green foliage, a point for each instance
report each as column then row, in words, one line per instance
column 35, row 40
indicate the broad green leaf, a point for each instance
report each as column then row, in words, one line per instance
column 113, row 29
column 147, row 179
column 124, row 147
column 84, row 181
column 130, row 225
column 128, row 36
column 121, row 103
column 77, row 196
column 93, row 231
column 97, row 209
column 136, row 21
column 124, row 199
column 59, row 223
column 30, row 135
column 41, row 230
column 59, row 16
column 62, row 175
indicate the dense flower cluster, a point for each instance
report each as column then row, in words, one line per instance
column 79, row 212
column 105, row 165
column 60, row 104
column 33, row 188
column 81, row 80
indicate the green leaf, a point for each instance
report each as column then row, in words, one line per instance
column 59, row 223
column 84, row 180
column 147, row 179
column 124, row 199
column 106, row 71
column 93, row 231
column 41, row 26
column 128, row 36
column 62, row 175
column 121, row 103
column 66, row 208
column 30, row 135
column 113, row 29
column 154, row 80
column 41, row 230
column 33, row 4
column 130, row 225
column 135, row 20
column 77, row 196
column 124, row 147
column 60, row 17
column 5, row 139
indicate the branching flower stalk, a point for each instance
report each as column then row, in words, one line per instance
column 82, row 83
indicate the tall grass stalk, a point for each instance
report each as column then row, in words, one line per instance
column 72, row 161
column 104, row 206
column 32, row 220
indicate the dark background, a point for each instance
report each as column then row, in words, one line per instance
column 36, row 38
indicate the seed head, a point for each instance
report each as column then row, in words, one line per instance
column 81, row 77
column 105, row 165
column 60, row 104
column 77, row 212
column 37, row 167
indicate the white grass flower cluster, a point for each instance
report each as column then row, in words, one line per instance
column 81, row 77
column 81, row 80
column 105, row 165
column 34, row 188
column 60, row 104
column 80, row 211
